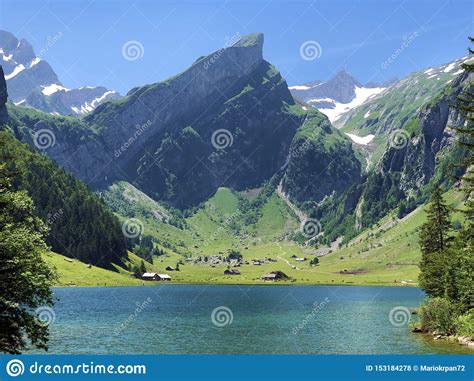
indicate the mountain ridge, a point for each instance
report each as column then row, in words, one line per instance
column 32, row 82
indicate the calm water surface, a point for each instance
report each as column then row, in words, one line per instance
column 263, row 319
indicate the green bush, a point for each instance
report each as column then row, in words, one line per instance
column 465, row 325
column 438, row 315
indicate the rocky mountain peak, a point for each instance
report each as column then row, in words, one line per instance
column 32, row 81
column 250, row 40
column 336, row 96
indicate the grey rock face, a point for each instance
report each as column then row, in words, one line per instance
column 340, row 88
column 417, row 160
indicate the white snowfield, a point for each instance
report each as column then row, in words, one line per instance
column 53, row 88
column 299, row 87
column 35, row 61
column 450, row 67
column 90, row 106
column 362, row 94
column 362, row 140
column 16, row 70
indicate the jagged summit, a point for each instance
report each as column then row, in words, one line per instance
column 336, row 96
column 253, row 39
column 32, row 82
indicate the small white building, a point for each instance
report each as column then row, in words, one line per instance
column 150, row 276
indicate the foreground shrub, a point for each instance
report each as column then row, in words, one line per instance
column 438, row 315
column 465, row 325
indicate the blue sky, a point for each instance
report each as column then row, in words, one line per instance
column 359, row 36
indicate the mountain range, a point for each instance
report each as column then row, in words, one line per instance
column 338, row 95
column 33, row 83
column 233, row 122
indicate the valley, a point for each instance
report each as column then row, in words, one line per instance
column 386, row 254
column 267, row 173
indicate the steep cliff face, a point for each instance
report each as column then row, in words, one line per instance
column 416, row 154
column 415, row 151
column 321, row 161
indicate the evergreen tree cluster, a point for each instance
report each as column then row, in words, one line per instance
column 80, row 224
column 25, row 279
column 447, row 265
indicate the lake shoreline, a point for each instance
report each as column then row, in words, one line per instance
column 270, row 284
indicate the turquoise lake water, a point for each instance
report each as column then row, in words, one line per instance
column 218, row 319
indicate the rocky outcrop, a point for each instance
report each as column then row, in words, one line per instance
column 321, row 162
column 340, row 88
column 415, row 152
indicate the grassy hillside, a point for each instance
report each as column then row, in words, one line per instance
column 76, row 273
column 387, row 253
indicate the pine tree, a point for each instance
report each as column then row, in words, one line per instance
column 434, row 234
column 461, row 270
column 465, row 134
column 435, row 240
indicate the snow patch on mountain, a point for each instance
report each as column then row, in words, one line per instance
column 362, row 140
column 302, row 87
column 51, row 89
column 18, row 69
column 363, row 94
column 33, row 83
column 89, row 106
